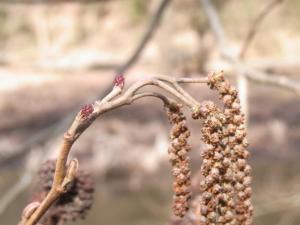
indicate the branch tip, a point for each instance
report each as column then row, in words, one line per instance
column 86, row 110
column 119, row 81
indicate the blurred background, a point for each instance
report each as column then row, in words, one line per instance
column 57, row 55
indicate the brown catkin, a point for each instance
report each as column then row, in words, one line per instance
column 225, row 187
column 72, row 205
column 215, row 187
column 236, row 140
column 178, row 153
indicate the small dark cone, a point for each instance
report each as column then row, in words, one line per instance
column 72, row 205
column 45, row 174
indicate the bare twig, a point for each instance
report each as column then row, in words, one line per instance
column 65, row 173
column 214, row 22
column 33, row 163
column 277, row 80
column 255, row 26
column 216, row 27
column 41, row 137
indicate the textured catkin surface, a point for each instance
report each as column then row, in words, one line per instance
column 179, row 159
column 225, row 185
column 72, row 205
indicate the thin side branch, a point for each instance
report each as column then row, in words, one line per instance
column 175, row 83
column 64, row 172
column 214, row 21
column 163, row 98
column 217, row 28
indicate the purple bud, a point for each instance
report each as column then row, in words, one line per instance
column 119, row 81
column 86, row 110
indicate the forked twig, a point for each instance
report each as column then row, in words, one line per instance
column 65, row 172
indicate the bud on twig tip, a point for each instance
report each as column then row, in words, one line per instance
column 86, row 110
column 119, row 81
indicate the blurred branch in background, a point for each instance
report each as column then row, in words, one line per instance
column 281, row 81
column 256, row 24
column 216, row 27
column 242, row 71
column 66, row 62
column 16, row 155
column 34, row 157
column 152, row 26
column 15, row 190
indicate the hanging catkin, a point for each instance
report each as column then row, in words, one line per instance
column 225, row 186
column 178, row 153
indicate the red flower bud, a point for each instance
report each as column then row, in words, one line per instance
column 87, row 110
column 119, row 81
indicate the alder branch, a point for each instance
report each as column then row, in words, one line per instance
column 216, row 27
column 163, row 98
column 64, row 172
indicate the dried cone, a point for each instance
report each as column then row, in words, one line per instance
column 178, row 153
column 72, row 205
column 225, row 188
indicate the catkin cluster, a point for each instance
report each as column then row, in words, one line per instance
column 178, row 154
column 225, row 188
column 72, row 205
